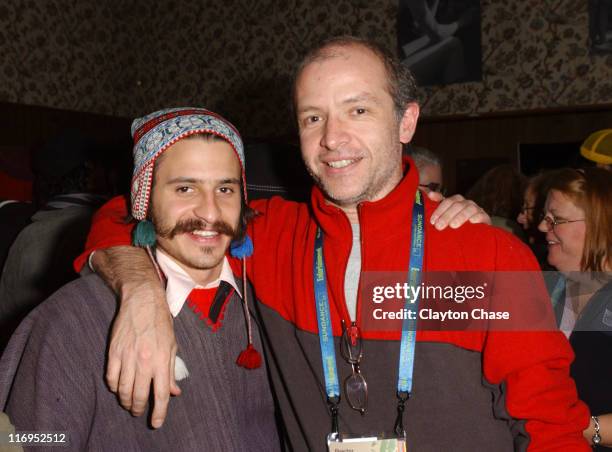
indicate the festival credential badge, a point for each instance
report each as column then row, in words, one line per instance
column 344, row 443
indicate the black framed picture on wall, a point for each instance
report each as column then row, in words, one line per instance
column 600, row 26
column 439, row 40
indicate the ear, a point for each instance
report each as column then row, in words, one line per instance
column 408, row 122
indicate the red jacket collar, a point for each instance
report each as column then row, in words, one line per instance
column 383, row 216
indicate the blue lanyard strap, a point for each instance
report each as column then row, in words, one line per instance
column 409, row 325
column 326, row 337
column 558, row 291
column 557, row 298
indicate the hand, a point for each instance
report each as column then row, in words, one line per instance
column 143, row 348
column 142, row 345
column 455, row 211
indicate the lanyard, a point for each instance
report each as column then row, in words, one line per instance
column 558, row 291
column 406, row 360
column 408, row 341
column 326, row 337
column 557, row 298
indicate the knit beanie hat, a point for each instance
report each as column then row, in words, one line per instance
column 156, row 132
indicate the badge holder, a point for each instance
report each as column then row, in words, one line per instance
column 354, row 443
column 393, row 442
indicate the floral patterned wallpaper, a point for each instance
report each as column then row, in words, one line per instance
column 535, row 56
column 238, row 57
column 126, row 58
column 64, row 54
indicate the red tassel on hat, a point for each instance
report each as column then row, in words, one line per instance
column 249, row 358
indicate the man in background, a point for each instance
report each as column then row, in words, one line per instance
column 429, row 166
column 69, row 185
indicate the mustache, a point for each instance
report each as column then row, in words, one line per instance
column 194, row 224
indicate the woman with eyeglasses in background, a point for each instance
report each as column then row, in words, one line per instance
column 577, row 223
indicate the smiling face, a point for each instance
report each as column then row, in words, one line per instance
column 565, row 241
column 196, row 202
column 349, row 133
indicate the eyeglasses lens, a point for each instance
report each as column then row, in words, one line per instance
column 356, row 390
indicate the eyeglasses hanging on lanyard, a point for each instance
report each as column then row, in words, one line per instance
column 355, row 386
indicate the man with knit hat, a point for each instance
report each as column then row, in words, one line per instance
column 189, row 198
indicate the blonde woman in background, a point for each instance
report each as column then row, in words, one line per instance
column 578, row 226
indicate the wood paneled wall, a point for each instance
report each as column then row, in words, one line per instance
column 497, row 136
column 28, row 125
column 24, row 128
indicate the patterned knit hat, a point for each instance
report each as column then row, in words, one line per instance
column 155, row 133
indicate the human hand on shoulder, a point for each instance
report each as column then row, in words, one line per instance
column 455, row 211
